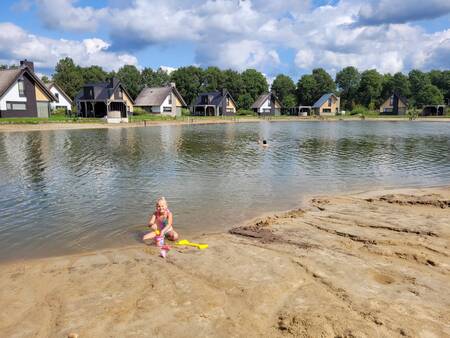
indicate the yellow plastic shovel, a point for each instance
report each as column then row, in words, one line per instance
column 186, row 242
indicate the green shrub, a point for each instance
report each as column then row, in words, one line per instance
column 359, row 110
column 139, row 111
column 185, row 112
column 245, row 112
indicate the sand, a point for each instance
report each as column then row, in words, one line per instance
column 372, row 264
column 194, row 120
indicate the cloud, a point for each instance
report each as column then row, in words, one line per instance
column 17, row 44
column 62, row 14
column 240, row 34
column 386, row 12
column 238, row 55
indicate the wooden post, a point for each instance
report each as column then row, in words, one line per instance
column 85, row 108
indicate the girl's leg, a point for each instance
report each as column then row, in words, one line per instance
column 149, row 235
column 173, row 236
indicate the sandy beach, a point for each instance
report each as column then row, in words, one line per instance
column 372, row 264
column 64, row 126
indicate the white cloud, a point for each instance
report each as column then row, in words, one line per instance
column 385, row 11
column 239, row 55
column 252, row 33
column 62, row 14
column 16, row 44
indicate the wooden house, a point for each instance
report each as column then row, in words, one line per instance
column 23, row 94
column 394, row 105
column 267, row 104
column 218, row 103
column 328, row 104
column 99, row 99
column 161, row 100
column 63, row 101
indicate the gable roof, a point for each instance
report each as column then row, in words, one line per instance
column 102, row 90
column 50, row 85
column 10, row 76
column 155, row 96
column 215, row 98
column 324, row 98
column 401, row 98
column 262, row 98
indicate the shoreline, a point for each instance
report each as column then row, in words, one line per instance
column 368, row 263
column 18, row 127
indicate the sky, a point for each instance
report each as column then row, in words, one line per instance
column 291, row 37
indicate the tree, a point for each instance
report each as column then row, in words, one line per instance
column 284, row 88
column 348, row 80
column 399, row 83
column 306, row 87
column 130, row 77
column 233, row 81
column 289, row 101
column 245, row 101
column 68, row 76
column 370, row 87
column 158, row 78
column 323, row 83
column 417, row 80
column 213, row 79
column 45, row 79
column 93, row 74
column 429, row 94
column 441, row 79
column 188, row 81
column 254, row 84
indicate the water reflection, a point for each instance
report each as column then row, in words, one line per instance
column 66, row 191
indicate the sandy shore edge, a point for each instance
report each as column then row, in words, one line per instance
column 69, row 126
column 374, row 263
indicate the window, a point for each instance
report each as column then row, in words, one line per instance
column 170, row 99
column 119, row 94
column 329, row 102
column 167, row 109
column 16, row 106
column 57, row 97
column 230, row 110
column 21, row 86
column 391, row 100
column 326, row 110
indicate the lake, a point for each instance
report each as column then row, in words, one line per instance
column 70, row 191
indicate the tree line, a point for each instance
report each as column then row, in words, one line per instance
column 368, row 88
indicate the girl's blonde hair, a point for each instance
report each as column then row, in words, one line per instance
column 163, row 200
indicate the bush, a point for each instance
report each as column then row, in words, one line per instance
column 139, row 111
column 359, row 110
column 185, row 112
column 245, row 112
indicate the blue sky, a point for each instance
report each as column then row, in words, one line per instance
column 290, row 37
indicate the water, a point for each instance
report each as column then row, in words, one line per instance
column 69, row 191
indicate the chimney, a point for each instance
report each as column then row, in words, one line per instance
column 173, row 85
column 26, row 63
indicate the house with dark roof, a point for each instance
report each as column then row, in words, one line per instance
column 267, row 104
column 328, row 104
column 23, row 94
column 218, row 103
column 63, row 101
column 161, row 100
column 99, row 99
column 394, row 105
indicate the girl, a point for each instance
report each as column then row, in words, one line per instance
column 161, row 220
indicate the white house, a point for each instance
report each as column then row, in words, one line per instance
column 22, row 93
column 63, row 100
column 161, row 100
column 267, row 104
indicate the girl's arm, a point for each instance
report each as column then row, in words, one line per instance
column 168, row 226
column 151, row 220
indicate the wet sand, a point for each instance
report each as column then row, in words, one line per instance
column 193, row 120
column 372, row 264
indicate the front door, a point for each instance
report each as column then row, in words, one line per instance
column 42, row 109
